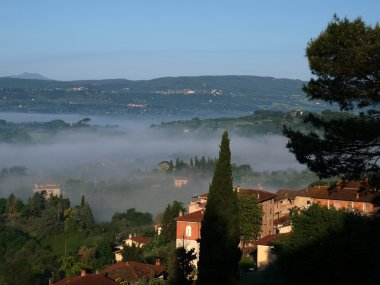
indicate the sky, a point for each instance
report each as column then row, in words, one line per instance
column 145, row 39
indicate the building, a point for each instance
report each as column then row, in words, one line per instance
column 132, row 271
column 189, row 226
column 284, row 202
column 353, row 196
column 86, row 279
column 189, row 231
column 48, row 189
column 266, row 199
column 263, row 254
column 197, row 203
column 180, row 182
column 132, row 240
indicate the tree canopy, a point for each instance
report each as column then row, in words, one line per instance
column 345, row 62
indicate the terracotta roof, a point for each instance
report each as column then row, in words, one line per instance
column 267, row 240
column 192, row 217
column 132, row 271
column 204, row 195
column 142, row 240
column 261, row 195
column 281, row 221
column 88, row 279
column 282, row 194
column 340, row 193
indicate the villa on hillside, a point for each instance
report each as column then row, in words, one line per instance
column 189, row 231
column 132, row 240
column 180, row 182
column 48, row 189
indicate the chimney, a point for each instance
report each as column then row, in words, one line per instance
column 158, row 261
column 50, row 281
column 180, row 214
column 83, row 272
column 97, row 271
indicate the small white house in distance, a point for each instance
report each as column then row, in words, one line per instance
column 47, row 189
column 180, row 182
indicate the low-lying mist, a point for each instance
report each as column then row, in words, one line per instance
column 117, row 166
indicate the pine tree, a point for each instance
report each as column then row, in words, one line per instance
column 220, row 233
column 345, row 62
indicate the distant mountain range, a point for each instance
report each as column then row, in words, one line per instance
column 27, row 75
column 198, row 96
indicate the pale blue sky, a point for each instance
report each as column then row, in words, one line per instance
column 144, row 39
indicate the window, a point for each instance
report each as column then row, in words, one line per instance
column 188, row 231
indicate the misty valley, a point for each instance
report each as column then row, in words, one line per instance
column 118, row 163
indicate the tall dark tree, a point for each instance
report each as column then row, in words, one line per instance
column 220, row 234
column 168, row 223
column 345, row 62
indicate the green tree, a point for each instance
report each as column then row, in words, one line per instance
column 181, row 267
column 36, row 204
column 250, row 217
column 168, row 223
column 132, row 253
column 104, row 254
column 345, row 62
column 220, row 233
column 85, row 216
column 329, row 246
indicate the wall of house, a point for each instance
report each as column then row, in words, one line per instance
column 267, row 227
column 361, row 207
column 195, row 232
column 282, row 207
column 302, row 202
column 189, row 244
column 264, row 257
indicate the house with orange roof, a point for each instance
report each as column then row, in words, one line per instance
column 137, row 241
column 132, row 271
column 86, row 279
column 353, row 196
column 189, row 231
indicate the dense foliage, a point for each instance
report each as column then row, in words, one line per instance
column 220, row 233
column 168, row 222
column 250, row 217
column 46, row 237
column 329, row 246
column 181, row 266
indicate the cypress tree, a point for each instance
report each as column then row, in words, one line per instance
column 220, row 234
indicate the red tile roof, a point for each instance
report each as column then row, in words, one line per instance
column 340, row 193
column 192, row 217
column 282, row 194
column 88, row 279
column 282, row 221
column 141, row 240
column 261, row 195
column 267, row 240
column 132, row 271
